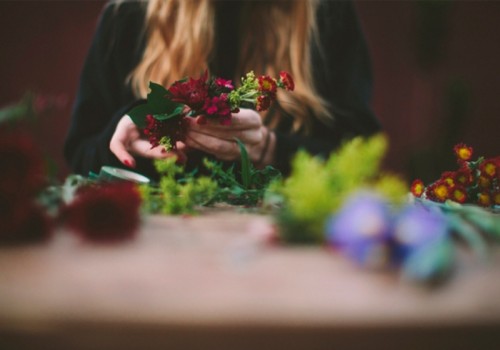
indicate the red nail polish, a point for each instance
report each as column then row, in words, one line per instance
column 129, row 163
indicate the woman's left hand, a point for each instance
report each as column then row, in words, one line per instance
column 219, row 140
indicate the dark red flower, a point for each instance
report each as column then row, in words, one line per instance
column 287, row 81
column 263, row 103
column 192, row 92
column 218, row 107
column 22, row 168
column 224, row 84
column 463, row 176
column 105, row 213
column 23, row 221
column 174, row 129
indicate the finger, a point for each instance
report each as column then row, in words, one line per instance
column 220, row 148
column 118, row 148
column 143, row 148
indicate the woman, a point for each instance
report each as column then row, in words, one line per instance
column 318, row 42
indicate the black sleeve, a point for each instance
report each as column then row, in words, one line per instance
column 102, row 97
column 342, row 75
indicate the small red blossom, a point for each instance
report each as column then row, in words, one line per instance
column 267, row 85
column 458, row 194
column 463, row 152
column 224, row 84
column 193, row 92
column 218, row 107
column 105, row 213
column 484, row 199
column 174, row 129
column 449, row 178
column 417, row 188
column 489, row 167
column 463, row 176
column 263, row 103
column 438, row 191
column 483, row 182
column 287, row 81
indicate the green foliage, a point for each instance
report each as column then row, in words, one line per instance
column 157, row 105
column 317, row 188
column 178, row 192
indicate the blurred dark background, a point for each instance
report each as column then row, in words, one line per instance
column 435, row 68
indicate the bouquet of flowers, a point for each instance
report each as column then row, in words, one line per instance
column 161, row 117
column 474, row 182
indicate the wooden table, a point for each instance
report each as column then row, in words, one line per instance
column 210, row 282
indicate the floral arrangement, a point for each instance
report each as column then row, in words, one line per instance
column 354, row 208
column 161, row 117
column 474, row 182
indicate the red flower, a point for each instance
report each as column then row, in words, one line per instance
column 438, row 191
column 417, row 188
column 458, row 194
column 173, row 128
column 489, row 167
column 463, row 176
column 22, row 221
column 218, row 107
column 287, row 81
column 22, row 168
column 484, row 199
column 224, row 84
column 263, row 103
column 449, row 178
column 483, row 182
column 463, row 152
column 267, row 85
column 192, row 92
column 105, row 213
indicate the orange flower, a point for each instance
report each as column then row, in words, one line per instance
column 463, row 152
column 417, row 188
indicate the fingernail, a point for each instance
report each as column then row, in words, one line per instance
column 129, row 163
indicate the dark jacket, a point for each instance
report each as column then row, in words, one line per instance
column 341, row 72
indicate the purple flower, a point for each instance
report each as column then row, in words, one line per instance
column 417, row 228
column 361, row 229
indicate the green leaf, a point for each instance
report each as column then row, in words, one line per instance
column 175, row 113
column 431, row 263
column 157, row 104
column 138, row 115
column 246, row 166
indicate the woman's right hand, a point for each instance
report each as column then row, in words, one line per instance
column 127, row 141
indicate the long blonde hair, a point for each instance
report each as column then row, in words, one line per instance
column 180, row 40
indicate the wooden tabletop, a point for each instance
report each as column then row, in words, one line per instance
column 212, row 282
